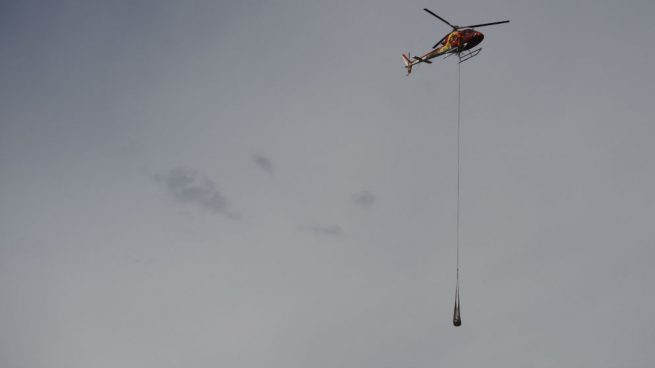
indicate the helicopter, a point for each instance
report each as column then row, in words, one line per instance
column 460, row 41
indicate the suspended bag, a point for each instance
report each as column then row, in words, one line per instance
column 457, row 321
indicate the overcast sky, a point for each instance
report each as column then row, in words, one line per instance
column 258, row 184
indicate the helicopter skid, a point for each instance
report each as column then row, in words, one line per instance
column 468, row 54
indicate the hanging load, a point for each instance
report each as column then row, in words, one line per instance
column 457, row 320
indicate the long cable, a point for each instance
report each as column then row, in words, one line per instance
column 459, row 109
column 456, row 313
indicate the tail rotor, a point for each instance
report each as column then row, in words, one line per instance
column 408, row 63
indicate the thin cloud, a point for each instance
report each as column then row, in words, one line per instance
column 364, row 199
column 263, row 163
column 187, row 186
column 328, row 230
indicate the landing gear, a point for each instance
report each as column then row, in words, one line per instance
column 468, row 54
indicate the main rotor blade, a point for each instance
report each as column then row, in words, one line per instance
column 485, row 24
column 443, row 20
column 440, row 41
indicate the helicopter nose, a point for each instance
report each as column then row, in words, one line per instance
column 478, row 37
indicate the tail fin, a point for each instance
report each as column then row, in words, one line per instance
column 408, row 63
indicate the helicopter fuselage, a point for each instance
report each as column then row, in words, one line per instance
column 460, row 40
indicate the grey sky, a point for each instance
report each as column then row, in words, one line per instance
column 102, row 266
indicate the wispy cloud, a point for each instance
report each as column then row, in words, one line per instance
column 263, row 162
column 187, row 186
column 364, row 198
column 329, row 230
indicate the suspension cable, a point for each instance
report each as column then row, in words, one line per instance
column 459, row 109
column 456, row 313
